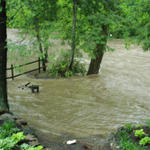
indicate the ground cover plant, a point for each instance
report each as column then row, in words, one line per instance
column 60, row 66
column 134, row 137
column 12, row 137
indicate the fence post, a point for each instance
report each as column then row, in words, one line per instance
column 12, row 72
column 39, row 63
column 44, row 65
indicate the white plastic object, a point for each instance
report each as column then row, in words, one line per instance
column 71, row 142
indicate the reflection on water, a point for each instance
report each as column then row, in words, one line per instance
column 89, row 106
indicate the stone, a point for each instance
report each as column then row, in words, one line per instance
column 7, row 116
column 117, row 147
column 21, row 122
column 30, row 137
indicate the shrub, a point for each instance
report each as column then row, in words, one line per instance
column 125, row 142
column 60, row 67
column 129, row 127
column 7, row 129
column 28, row 147
column 139, row 133
column 144, row 141
column 10, row 142
column 10, row 138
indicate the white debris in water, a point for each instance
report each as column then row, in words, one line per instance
column 100, row 68
column 71, row 142
column 82, row 60
column 110, row 35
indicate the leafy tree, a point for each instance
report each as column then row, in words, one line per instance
column 3, row 58
column 67, row 30
column 94, row 23
column 126, row 22
column 134, row 23
column 36, row 18
column 67, row 26
column 85, row 24
column 98, row 17
column 143, row 23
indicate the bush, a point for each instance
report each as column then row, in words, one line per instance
column 129, row 127
column 10, row 137
column 28, row 147
column 10, row 142
column 144, row 141
column 124, row 141
column 139, row 133
column 60, row 67
column 7, row 129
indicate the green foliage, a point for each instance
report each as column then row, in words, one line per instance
column 144, row 141
column 6, row 144
column 60, row 67
column 144, row 24
column 7, row 125
column 35, row 19
column 125, row 143
column 10, row 137
column 125, row 25
column 7, row 129
column 139, row 125
column 148, row 123
column 96, row 20
column 134, row 22
column 94, row 23
column 10, row 142
column 28, row 147
column 139, row 133
column 16, row 137
column 129, row 127
column 24, row 146
column 36, row 148
column 21, row 49
column 0, row 8
column 25, row 13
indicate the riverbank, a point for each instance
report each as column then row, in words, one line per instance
column 129, row 137
column 40, row 139
column 16, row 134
column 9, row 122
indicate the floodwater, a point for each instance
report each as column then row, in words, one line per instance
column 88, row 107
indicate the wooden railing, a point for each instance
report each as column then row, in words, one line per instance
column 36, row 69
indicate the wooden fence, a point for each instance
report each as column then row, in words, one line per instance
column 36, row 69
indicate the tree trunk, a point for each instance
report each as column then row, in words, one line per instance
column 46, row 54
column 96, row 62
column 4, row 107
column 73, row 47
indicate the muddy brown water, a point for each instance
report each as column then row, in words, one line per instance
column 88, row 107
